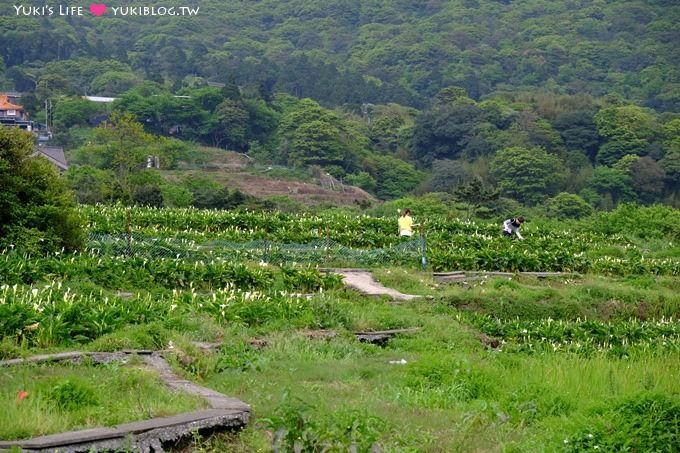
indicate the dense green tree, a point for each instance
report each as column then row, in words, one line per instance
column 312, row 135
column 93, row 185
column 647, row 179
column 176, row 196
column 451, row 95
column 54, row 85
column 539, row 132
column 390, row 127
column 232, row 125
column 499, row 112
column 671, row 134
column 671, row 166
column 208, row 194
column 34, row 107
column 629, row 130
column 362, row 179
column 626, row 163
column 475, row 194
column 385, row 132
column 316, row 143
column 579, row 132
column 148, row 195
column 607, row 187
column 230, row 90
column 112, row 83
column 566, row 205
column 123, row 144
column 37, row 211
column 207, row 98
column 488, row 78
column 446, row 175
column 162, row 113
column 4, row 82
column 527, row 175
column 262, row 120
column 74, row 111
column 614, row 150
column 444, row 132
column 395, row 177
column 355, row 52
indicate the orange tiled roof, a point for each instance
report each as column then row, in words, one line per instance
column 6, row 105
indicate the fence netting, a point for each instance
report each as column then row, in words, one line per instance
column 322, row 252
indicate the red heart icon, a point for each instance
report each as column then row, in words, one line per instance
column 97, row 9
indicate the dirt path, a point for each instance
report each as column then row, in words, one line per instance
column 362, row 281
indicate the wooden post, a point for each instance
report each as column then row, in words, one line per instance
column 423, row 249
column 129, row 232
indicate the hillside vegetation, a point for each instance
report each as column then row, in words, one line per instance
column 567, row 106
column 362, row 50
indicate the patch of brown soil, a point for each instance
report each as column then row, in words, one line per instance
column 305, row 192
column 606, row 310
column 489, row 341
column 230, row 169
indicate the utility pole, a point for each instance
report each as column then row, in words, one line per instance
column 48, row 117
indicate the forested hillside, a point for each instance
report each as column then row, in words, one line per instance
column 570, row 103
column 354, row 51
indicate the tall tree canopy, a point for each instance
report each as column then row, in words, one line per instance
column 350, row 52
column 527, row 175
column 37, row 211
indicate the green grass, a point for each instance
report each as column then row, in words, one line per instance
column 454, row 394
column 69, row 397
column 408, row 281
column 447, row 392
column 590, row 298
column 457, row 398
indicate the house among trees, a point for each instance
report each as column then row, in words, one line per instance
column 53, row 154
column 13, row 114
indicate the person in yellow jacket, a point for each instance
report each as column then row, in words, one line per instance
column 406, row 223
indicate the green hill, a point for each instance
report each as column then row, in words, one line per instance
column 533, row 101
column 356, row 51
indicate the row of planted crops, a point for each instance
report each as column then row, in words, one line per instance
column 60, row 299
column 152, row 279
column 184, row 268
column 449, row 244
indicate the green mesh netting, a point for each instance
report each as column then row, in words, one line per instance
column 326, row 252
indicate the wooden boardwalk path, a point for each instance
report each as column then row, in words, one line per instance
column 142, row 436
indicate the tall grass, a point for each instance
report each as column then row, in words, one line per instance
column 61, row 398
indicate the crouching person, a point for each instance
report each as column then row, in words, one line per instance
column 511, row 227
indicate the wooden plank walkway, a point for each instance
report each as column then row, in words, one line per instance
column 381, row 336
column 142, row 436
column 467, row 276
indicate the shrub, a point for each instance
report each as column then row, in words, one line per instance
column 646, row 222
column 72, row 395
column 645, row 422
column 37, row 211
column 569, row 205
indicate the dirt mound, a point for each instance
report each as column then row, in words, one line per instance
column 305, row 192
column 237, row 171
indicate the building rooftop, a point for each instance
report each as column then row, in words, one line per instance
column 99, row 98
column 54, row 155
column 5, row 104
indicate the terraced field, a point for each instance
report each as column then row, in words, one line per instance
column 501, row 363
